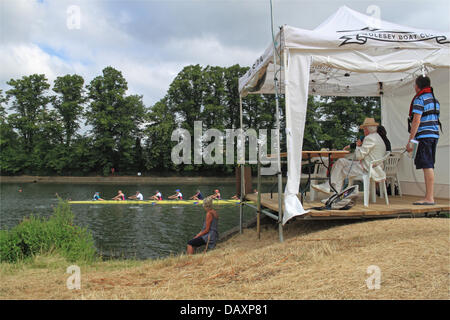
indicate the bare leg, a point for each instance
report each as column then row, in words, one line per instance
column 190, row 249
column 429, row 184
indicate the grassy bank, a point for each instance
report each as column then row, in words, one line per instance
column 318, row 260
column 41, row 236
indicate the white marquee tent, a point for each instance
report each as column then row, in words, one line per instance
column 352, row 54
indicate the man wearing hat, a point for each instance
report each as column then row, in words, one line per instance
column 372, row 148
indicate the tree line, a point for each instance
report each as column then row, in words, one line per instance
column 74, row 128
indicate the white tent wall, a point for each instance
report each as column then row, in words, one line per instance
column 296, row 87
column 394, row 111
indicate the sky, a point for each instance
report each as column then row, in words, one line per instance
column 150, row 41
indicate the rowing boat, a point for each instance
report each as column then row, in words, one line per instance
column 156, row 202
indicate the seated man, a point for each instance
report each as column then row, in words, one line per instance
column 372, row 148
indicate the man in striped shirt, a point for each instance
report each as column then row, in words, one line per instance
column 424, row 115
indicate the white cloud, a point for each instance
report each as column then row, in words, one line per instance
column 22, row 59
column 208, row 50
column 151, row 41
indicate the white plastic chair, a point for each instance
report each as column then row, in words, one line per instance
column 369, row 184
column 391, row 170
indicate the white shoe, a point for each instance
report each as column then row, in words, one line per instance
column 324, row 187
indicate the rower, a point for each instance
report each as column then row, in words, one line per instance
column 197, row 196
column 120, row 196
column 156, row 196
column 137, row 196
column 216, row 195
column 178, row 195
column 97, row 197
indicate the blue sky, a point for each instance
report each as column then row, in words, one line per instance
column 151, row 41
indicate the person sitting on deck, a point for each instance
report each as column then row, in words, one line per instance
column 209, row 234
column 372, row 148
column 178, row 195
column 197, row 196
column 97, row 197
column 216, row 195
column 120, row 196
column 137, row 196
column 156, row 196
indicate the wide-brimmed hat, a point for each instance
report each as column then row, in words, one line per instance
column 368, row 122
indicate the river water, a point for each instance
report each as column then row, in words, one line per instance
column 121, row 231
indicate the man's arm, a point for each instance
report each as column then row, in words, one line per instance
column 418, row 108
column 414, row 127
column 362, row 151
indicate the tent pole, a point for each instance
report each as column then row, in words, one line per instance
column 242, row 166
column 258, row 202
column 279, row 175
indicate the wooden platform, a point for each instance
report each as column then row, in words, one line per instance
column 397, row 206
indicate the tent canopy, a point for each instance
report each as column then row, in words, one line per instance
column 351, row 54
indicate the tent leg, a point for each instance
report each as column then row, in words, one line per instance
column 258, row 202
column 277, row 123
column 242, row 195
column 280, row 208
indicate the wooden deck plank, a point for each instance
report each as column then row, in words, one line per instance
column 397, row 206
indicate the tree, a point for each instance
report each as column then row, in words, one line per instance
column 214, row 114
column 185, row 96
column 116, row 120
column 3, row 102
column 231, row 88
column 158, row 132
column 340, row 118
column 50, row 155
column 69, row 103
column 29, row 100
column 9, row 161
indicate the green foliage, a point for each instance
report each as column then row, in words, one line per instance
column 29, row 101
column 35, row 236
column 159, row 130
column 116, row 121
column 69, row 103
column 10, row 156
column 333, row 122
column 128, row 136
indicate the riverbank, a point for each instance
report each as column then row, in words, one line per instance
column 123, row 180
column 317, row 260
column 114, row 179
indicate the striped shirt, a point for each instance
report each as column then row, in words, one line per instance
column 428, row 127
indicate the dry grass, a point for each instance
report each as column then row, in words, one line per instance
column 318, row 260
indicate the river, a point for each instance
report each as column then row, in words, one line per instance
column 121, row 231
